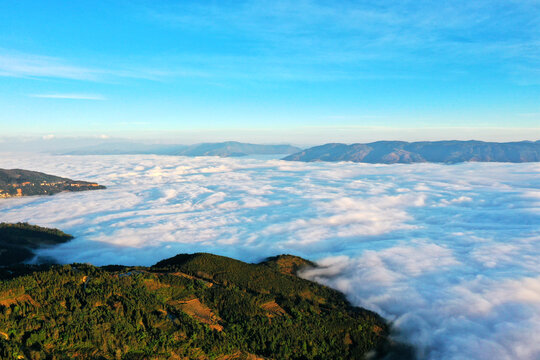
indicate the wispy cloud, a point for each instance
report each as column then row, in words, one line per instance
column 309, row 36
column 30, row 65
column 27, row 65
column 320, row 41
column 70, row 96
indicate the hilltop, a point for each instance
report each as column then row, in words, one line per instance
column 390, row 152
column 191, row 306
column 18, row 182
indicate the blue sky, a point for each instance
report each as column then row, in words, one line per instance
column 271, row 71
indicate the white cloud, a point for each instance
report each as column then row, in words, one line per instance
column 459, row 280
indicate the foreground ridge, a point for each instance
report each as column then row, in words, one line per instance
column 191, row 306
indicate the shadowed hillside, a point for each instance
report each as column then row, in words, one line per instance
column 18, row 241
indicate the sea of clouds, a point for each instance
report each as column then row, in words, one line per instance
column 449, row 253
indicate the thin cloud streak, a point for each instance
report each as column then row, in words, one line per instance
column 69, row 96
column 30, row 65
column 314, row 41
column 358, row 36
column 26, row 65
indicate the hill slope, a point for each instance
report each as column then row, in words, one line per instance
column 18, row 182
column 197, row 306
column 390, row 152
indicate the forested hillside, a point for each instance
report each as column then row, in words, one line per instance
column 18, row 182
column 198, row 306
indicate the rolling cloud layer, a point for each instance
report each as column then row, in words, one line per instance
column 448, row 253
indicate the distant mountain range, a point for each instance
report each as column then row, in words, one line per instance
column 390, row 152
column 18, row 182
column 387, row 152
column 223, row 149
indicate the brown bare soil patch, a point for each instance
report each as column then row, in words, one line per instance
column 153, row 285
column 187, row 276
column 162, row 312
column 307, row 294
column 200, row 312
column 288, row 264
column 273, row 309
column 347, row 340
column 19, row 299
column 176, row 357
column 377, row 329
column 11, row 293
column 191, row 277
